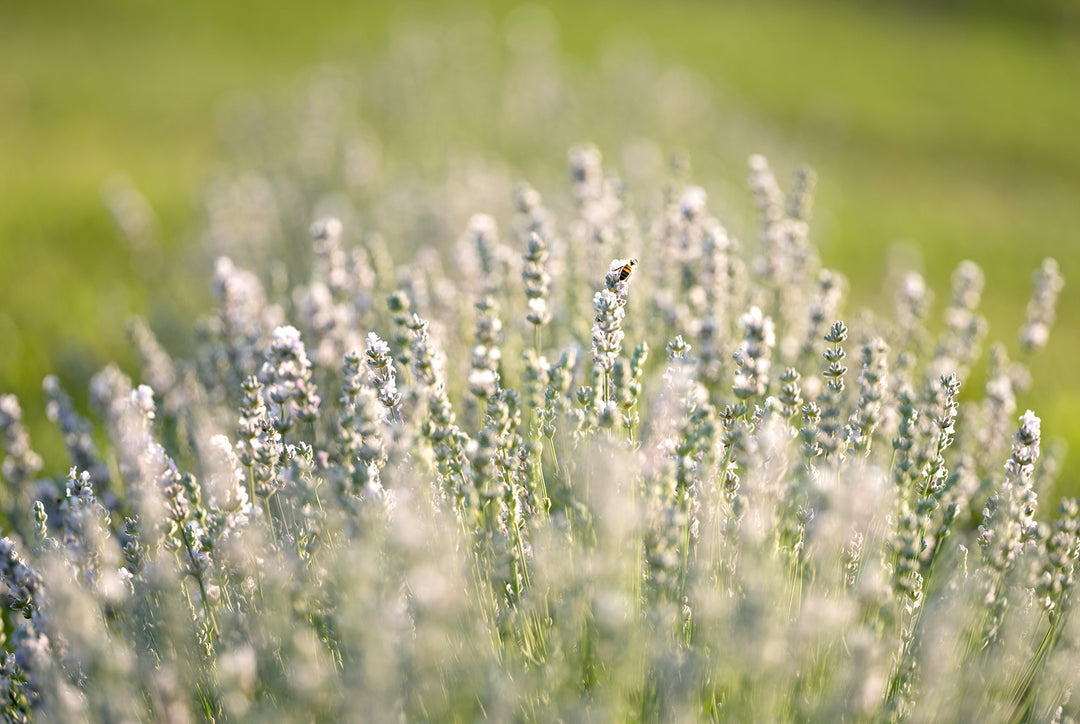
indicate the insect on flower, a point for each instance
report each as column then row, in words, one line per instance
column 626, row 270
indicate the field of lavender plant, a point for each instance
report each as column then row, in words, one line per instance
column 619, row 468
column 603, row 440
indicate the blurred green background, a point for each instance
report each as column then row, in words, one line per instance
column 949, row 127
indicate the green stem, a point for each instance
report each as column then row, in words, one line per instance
column 207, row 611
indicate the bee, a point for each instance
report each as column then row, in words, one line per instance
column 626, row 270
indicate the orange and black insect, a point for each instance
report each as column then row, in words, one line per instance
column 626, row 270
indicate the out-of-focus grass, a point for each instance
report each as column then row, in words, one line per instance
column 955, row 132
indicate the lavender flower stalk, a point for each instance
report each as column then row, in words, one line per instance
column 607, row 333
column 359, row 433
column 22, row 464
column 872, row 388
column 1009, row 521
column 77, row 432
column 753, row 357
column 382, row 376
column 287, row 376
column 830, row 400
column 1040, row 310
column 537, row 284
column 487, row 351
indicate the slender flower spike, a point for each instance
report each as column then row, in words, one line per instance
column 935, row 473
column 767, row 194
column 484, row 235
column 835, row 371
column 400, row 307
column 1026, row 444
column 961, row 342
column 22, row 463
column 287, row 376
column 381, row 373
column 607, row 335
column 790, row 393
column 586, row 171
column 627, row 384
column 22, row 581
column 76, row 429
column 1009, row 516
column 872, row 386
column 1040, row 310
column 427, row 360
column 537, row 281
column 1009, row 524
column 1059, row 569
column 753, row 357
column 800, row 200
column 832, row 428
column 487, row 352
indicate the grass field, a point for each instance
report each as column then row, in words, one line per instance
column 953, row 133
